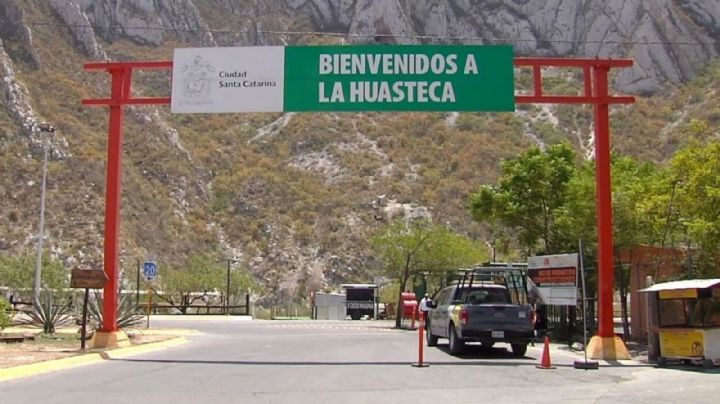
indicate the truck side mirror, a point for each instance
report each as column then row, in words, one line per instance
column 431, row 304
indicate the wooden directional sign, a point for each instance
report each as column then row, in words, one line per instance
column 88, row 278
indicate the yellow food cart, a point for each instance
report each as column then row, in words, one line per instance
column 688, row 321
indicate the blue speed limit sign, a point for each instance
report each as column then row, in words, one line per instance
column 150, row 270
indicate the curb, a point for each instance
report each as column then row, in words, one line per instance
column 120, row 353
column 38, row 368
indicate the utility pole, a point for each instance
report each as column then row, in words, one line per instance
column 137, row 284
column 44, row 128
column 227, row 284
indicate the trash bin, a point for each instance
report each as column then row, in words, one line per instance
column 409, row 306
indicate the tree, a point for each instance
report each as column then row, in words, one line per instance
column 418, row 248
column 16, row 273
column 5, row 320
column 694, row 170
column 528, row 197
column 632, row 184
column 199, row 275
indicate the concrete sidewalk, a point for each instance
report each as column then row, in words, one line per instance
column 563, row 350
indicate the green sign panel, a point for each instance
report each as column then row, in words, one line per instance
column 399, row 78
column 343, row 78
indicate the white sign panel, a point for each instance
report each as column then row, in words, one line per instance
column 553, row 279
column 240, row 79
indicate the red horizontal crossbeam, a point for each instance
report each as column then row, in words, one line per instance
column 589, row 68
column 557, row 62
column 162, row 64
column 572, row 99
column 128, row 101
column 126, row 69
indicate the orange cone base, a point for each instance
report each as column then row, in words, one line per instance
column 607, row 348
column 545, row 367
column 114, row 339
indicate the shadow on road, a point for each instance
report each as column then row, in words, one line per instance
column 329, row 363
column 476, row 351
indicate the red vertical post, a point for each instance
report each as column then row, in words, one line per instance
column 120, row 88
column 421, row 328
column 603, row 203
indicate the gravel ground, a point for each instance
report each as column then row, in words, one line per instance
column 65, row 344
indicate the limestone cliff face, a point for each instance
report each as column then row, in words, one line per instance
column 13, row 27
column 668, row 39
column 142, row 21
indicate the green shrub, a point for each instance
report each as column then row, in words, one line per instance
column 5, row 319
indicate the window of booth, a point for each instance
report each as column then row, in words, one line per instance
column 693, row 313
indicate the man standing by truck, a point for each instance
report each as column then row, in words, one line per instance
column 423, row 307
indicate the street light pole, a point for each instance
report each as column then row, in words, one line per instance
column 227, row 284
column 227, row 294
column 44, row 128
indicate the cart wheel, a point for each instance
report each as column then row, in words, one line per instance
column 708, row 364
column 661, row 362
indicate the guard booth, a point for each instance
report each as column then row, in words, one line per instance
column 685, row 318
column 361, row 300
column 329, row 306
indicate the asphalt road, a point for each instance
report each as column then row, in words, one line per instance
column 350, row 362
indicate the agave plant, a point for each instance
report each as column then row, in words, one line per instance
column 126, row 311
column 48, row 314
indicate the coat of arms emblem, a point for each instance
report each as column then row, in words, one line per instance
column 196, row 78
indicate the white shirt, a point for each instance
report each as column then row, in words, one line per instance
column 423, row 304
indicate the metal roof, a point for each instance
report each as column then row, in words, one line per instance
column 686, row 284
column 359, row 286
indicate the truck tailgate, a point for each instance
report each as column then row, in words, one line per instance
column 507, row 317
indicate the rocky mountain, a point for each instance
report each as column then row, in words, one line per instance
column 296, row 196
column 668, row 39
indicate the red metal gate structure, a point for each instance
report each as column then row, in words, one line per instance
column 595, row 73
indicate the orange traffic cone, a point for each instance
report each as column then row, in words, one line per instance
column 545, row 362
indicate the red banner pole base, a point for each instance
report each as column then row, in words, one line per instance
column 607, row 348
column 112, row 339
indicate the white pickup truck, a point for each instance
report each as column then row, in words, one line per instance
column 480, row 312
